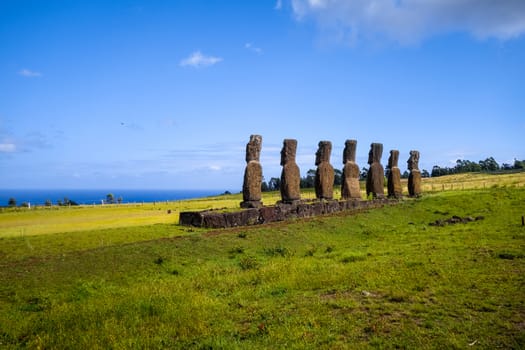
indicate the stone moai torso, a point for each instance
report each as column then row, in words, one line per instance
column 324, row 176
column 290, row 176
column 414, row 179
column 350, row 187
column 394, row 176
column 251, row 188
column 375, row 179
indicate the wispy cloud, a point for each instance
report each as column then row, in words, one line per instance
column 30, row 142
column 7, row 147
column 198, row 60
column 29, row 73
column 411, row 21
column 131, row 126
column 252, row 48
column 278, row 5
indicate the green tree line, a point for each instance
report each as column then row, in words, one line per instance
column 467, row 166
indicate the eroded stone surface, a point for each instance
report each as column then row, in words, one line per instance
column 375, row 179
column 324, row 176
column 350, row 185
column 394, row 176
column 414, row 179
column 251, row 188
column 290, row 175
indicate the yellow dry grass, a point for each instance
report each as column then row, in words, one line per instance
column 39, row 221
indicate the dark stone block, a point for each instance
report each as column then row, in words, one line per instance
column 317, row 208
column 267, row 214
column 249, row 217
column 191, row 219
column 304, row 210
column 214, row 220
column 331, row 207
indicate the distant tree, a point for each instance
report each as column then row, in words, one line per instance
column 227, row 192
column 519, row 164
column 11, row 202
column 405, row 175
column 110, row 198
column 338, row 177
column 59, row 202
column 506, row 166
column 466, row 166
column 119, row 200
column 48, row 203
column 274, row 184
column 264, row 186
column 308, row 181
column 25, row 205
column 489, row 164
column 364, row 173
column 439, row 171
column 425, row 173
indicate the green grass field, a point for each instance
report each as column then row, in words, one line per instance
column 129, row 277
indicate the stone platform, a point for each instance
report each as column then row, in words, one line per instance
column 278, row 212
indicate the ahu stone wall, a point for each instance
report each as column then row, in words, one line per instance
column 278, row 212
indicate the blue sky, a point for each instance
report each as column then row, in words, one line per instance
column 165, row 94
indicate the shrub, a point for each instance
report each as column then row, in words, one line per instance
column 248, row 262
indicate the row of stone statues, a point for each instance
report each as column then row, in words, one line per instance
column 324, row 176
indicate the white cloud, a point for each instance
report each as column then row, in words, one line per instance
column 249, row 46
column 7, row 147
column 197, row 60
column 29, row 73
column 278, row 5
column 410, row 21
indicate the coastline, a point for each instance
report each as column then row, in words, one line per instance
column 98, row 196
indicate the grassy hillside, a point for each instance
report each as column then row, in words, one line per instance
column 384, row 278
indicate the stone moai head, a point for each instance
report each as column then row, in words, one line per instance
column 323, row 152
column 288, row 151
column 349, row 151
column 413, row 161
column 393, row 159
column 376, row 151
column 253, row 148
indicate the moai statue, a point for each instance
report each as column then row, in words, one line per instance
column 375, row 179
column 324, row 176
column 251, row 188
column 350, row 186
column 414, row 179
column 394, row 176
column 290, row 176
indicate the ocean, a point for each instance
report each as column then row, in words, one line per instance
column 83, row 196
